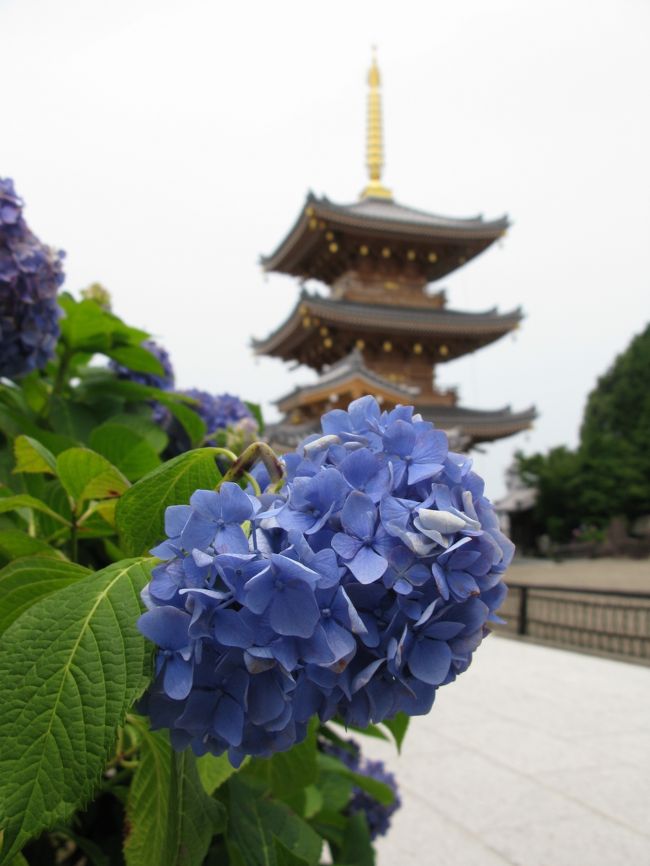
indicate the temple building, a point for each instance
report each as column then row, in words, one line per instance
column 382, row 328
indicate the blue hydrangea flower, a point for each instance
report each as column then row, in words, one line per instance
column 164, row 381
column 355, row 592
column 30, row 276
column 219, row 411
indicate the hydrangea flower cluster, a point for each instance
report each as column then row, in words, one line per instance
column 30, row 276
column 164, row 381
column 378, row 815
column 221, row 411
column 355, row 593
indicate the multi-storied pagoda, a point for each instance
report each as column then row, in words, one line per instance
column 381, row 329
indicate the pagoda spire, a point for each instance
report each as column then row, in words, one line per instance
column 374, row 136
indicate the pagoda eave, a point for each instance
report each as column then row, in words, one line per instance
column 328, row 239
column 320, row 331
column 471, row 426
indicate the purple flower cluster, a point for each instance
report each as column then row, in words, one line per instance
column 30, row 276
column 219, row 411
column 164, row 381
column 378, row 815
column 355, row 592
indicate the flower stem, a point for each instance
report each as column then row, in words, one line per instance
column 246, row 460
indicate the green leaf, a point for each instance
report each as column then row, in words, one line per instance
column 136, row 358
column 141, row 510
column 24, row 500
column 357, row 847
column 144, row 427
column 191, row 422
column 87, row 327
column 293, row 770
column 256, row 822
column 14, row 544
column 71, row 419
column 381, row 792
column 335, row 790
column 70, row 667
column 284, row 857
column 214, row 771
column 398, row 726
column 170, row 817
column 90, row 849
column 87, row 475
column 256, row 411
column 306, row 802
column 25, row 581
column 31, row 456
column 126, row 449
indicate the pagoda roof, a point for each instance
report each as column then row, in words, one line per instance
column 463, row 332
column 451, row 241
column 344, row 372
column 478, row 425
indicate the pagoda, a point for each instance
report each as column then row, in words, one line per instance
column 382, row 328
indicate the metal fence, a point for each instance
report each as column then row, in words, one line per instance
column 606, row 621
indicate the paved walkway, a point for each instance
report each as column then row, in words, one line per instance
column 534, row 757
column 607, row 573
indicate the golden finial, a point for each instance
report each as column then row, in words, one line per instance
column 374, row 136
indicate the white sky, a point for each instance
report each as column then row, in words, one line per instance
column 166, row 145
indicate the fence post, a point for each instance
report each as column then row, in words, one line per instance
column 522, row 621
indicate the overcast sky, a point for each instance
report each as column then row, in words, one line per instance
column 166, row 145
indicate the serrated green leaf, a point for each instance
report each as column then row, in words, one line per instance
column 32, row 456
column 25, row 581
column 144, row 427
column 214, row 771
column 87, row 327
column 14, row 544
column 70, row 668
column 284, row 857
column 126, row 449
column 381, row 792
column 92, row 851
column 335, row 790
column 357, row 847
column 71, row 419
column 136, row 358
column 35, row 391
column 141, row 510
column 87, row 475
column 191, row 422
column 256, row 411
column 306, row 802
column 398, row 726
column 295, row 769
column 170, row 817
column 24, row 500
column 256, row 821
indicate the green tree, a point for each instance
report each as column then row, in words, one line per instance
column 609, row 473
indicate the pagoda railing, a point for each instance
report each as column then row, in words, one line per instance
column 608, row 622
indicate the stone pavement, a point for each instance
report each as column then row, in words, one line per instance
column 632, row 575
column 534, row 757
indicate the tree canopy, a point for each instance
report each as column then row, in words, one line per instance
column 608, row 475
